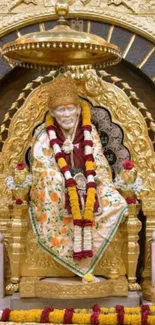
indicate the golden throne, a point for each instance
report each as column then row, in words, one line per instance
column 26, row 265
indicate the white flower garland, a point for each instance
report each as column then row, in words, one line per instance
column 12, row 185
column 137, row 186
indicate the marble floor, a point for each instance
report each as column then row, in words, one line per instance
column 133, row 299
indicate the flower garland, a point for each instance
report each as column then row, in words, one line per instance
column 12, row 185
column 82, row 225
column 118, row 315
column 136, row 186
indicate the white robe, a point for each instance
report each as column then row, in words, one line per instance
column 53, row 228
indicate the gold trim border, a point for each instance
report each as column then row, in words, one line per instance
column 137, row 24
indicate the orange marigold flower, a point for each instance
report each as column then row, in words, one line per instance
column 90, row 165
column 62, row 162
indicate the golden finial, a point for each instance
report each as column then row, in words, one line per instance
column 61, row 10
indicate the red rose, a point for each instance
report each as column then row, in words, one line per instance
column 21, row 166
column 19, row 201
column 131, row 200
column 128, row 164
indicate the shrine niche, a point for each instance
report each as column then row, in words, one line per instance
column 119, row 123
column 39, row 262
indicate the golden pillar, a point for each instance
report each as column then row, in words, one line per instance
column 148, row 207
column 18, row 227
column 133, row 229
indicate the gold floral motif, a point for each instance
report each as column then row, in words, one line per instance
column 132, row 5
column 14, row 3
column 133, row 228
column 111, row 264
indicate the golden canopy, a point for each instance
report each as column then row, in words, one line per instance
column 61, row 46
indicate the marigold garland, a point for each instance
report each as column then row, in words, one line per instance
column 118, row 315
column 87, row 220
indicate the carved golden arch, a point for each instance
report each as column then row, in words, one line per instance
column 136, row 23
column 100, row 93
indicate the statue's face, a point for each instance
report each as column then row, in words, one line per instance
column 66, row 115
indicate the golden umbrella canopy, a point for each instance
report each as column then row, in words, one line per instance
column 61, row 46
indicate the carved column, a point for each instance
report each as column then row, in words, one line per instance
column 148, row 207
column 18, row 227
column 1, row 266
column 5, row 200
column 133, row 229
column 153, row 267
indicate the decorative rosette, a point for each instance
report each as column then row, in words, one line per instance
column 82, row 225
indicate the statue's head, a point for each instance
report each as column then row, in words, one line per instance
column 64, row 103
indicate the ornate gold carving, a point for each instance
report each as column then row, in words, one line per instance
column 132, row 5
column 148, row 206
column 133, row 228
column 35, row 287
column 147, row 287
column 118, row 12
column 18, row 229
column 136, row 6
column 134, row 286
column 111, row 264
column 5, row 200
column 20, row 183
column 15, row 3
column 153, row 293
column 20, row 131
column 12, row 287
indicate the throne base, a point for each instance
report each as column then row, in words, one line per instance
column 72, row 288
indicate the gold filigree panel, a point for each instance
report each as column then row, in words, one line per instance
column 35, row 287
column 23, row 123
column 134, row 15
